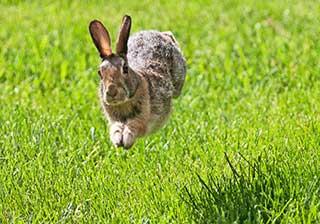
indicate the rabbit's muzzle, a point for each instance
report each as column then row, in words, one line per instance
column 113, row 94
column 111, row 91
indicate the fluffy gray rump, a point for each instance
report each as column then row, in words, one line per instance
column 157, row 56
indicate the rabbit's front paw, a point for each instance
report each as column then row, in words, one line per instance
column 116, row 134
column 116, row 139
column 128, row 138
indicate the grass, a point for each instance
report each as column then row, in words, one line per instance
column 258, row 192
column 252, row 92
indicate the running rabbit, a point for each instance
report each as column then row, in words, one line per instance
column 138, row 81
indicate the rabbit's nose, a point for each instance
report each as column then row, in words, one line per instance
column 112, row 91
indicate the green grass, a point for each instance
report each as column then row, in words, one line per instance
column 252, row 91
column 258, row 192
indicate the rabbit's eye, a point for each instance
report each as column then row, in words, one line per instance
column 125, row 69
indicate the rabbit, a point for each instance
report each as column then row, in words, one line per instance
column 138, row 81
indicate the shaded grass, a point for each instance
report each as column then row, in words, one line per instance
column 265, row 190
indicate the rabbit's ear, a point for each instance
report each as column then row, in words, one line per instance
column 101, row 38
column 123, row 36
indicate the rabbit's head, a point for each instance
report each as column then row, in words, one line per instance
column 118, row 81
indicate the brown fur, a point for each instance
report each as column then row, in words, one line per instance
column 137, row 108
column 138, row 82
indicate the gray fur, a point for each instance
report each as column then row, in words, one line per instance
column 158, row 53
column 157, row 57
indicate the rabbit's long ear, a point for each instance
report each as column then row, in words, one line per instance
column 123, row 36
column 101, row 38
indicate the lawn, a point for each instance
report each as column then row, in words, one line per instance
column 242, row 144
